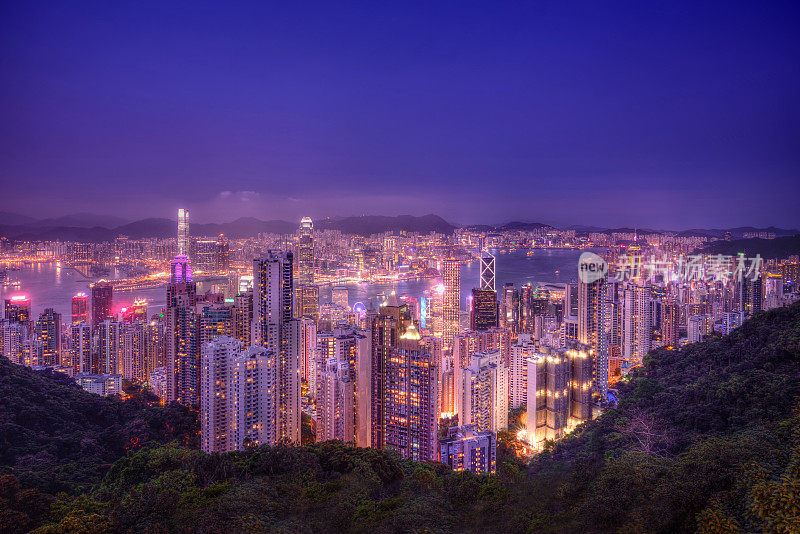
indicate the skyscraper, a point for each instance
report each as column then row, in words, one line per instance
column 483, row 393
column 237, row 396
column 48, row 332
column 18, row 309
column 182, row 335
column 305, row 252
column 404, row 381
column 102, row 302
column 488, row 272
column 451, row 279
column 483, row 314
column 183, row 232
column 275, row 328
column 80, row 308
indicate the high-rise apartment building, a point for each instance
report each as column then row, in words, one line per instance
column 276, row 329
column 637, row 326
column 237, row 396
column 483, row 393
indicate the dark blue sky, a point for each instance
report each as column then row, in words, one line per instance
column 670, row 114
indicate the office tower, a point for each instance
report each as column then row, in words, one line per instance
column 275, row 329
column 307, row 301
column 18, row 310
column 305, row 252
column 483, row 314
column 483, row 393
column 404, row 381
column 451, row 279
column 183, row 232
column 107, row 348
column 81, row 348
column 182, row 335
column 217, row 411
column 637, row 327
column 488, row 272
column 308, row 353
column 216, row 320
column 48, row 332
column 102, row 302
column 559, row 392
column 134, row 351
column 223, row 254
column 524, row 348
column 340, row 297
column 80, row 308
column 465, row 448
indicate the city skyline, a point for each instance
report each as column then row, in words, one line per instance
column 537, row 112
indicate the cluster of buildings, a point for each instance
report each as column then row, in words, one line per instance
column 262, row 353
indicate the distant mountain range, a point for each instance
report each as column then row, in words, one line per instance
column 92, row 228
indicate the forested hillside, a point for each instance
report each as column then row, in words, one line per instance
column 704, row 439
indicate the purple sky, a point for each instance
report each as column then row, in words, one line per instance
column 668, row 114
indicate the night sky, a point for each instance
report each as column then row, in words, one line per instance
column 654, row 114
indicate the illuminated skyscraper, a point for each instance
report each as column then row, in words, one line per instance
column 102, row 302
column 451, row 279
column 637, row 325
column 183, row 232
column 483, row 393
column 80, row 308
column 483, row 314
column 107, row 348
column 182, row 335
column 81, row 348
column 487, row 272
column 404, row 381
column 237, row 396
column 48, row 332
column 305, row 252
column 134, row 351
column 275, row 328
column 18, row 309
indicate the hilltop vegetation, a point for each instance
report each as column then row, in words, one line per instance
column 704, row 439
